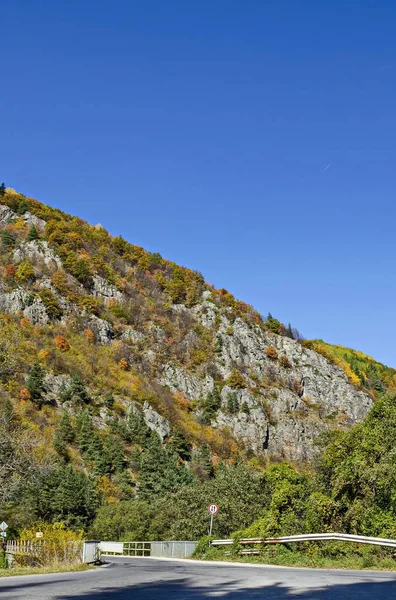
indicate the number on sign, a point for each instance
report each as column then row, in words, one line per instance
column 213, row 509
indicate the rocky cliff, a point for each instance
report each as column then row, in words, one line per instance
column 132, row 321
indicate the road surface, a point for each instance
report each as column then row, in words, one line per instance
column 155, row 579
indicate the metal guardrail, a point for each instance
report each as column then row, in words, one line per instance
column 169, row 549
column 310, row 537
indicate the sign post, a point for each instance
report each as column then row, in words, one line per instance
column 3, row 534
column 213, row 509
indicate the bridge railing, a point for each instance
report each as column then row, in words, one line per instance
column 168, row 549
column 309, row 537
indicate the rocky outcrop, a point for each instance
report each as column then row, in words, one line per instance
column 292, row 393
column 155, row 422
column 102, row 329
column 37, row 250
column 29, row 305
column 105, row 290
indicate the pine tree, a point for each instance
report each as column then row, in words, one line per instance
column 84, row 430
column 35, row 384
column 232, row 403
column 32, row 234
column 7, row 239
column 109, row 401
column 245, row 408
column 180, row 445
column 77, row 391
column 22, row 207
column 204, row 460
column 136, row 430
column 2, row 189
column 65, row 428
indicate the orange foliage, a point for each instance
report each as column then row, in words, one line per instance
column 61, row 343
column 271, row 352
column 24, row 395
column 123, row 364
column 89, row 334
column 10, row 271
column 24, row 322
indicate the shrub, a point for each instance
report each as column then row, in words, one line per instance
column 25, row 271
column 285, row 362
column 271, row 352
column 236, row 380
column 52, row 306
column 61, row 343
column 33, row 234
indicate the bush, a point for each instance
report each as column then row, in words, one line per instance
column 236, row 380
column 271, row 353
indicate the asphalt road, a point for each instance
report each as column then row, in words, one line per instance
column 152, row 579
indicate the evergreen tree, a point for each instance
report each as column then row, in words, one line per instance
column 62, row 494
column 74, row 392
column 232, row 403
column 35, row 384
column 204, row 461
column 65, row 428
column 2, row 189
column 136, row 430
column 245, row 408
column 7, row 239
column 113, row 451
column 22, row 207
column 61, row 447
column 109, row 401
column 160, row 471
column 84, row 430
column 32, row 234
column 180, row 445
column 211, row 405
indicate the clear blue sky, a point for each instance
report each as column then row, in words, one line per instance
column 205, row 130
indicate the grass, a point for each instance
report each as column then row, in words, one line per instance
column 59, row 568
column 287, row 558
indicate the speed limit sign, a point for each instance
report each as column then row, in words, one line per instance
column 213, row 509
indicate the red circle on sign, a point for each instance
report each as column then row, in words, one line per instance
column 213, row 509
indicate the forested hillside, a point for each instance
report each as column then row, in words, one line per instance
column 133, row 393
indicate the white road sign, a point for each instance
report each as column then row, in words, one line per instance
column 3, row 526
column 213, row 509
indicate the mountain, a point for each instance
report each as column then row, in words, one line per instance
column 103, row 343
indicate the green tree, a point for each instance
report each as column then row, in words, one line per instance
column 22, row 207
column 62, row 494
column 75, row 392
column 33, row 234
column 160, row 471
column 232, row 403
column 52, row 306
column 7, row 239
column 35, row 384
column 180, row 445
column 65, row 428
column 2, row 189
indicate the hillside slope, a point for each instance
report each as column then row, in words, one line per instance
column 159, row 340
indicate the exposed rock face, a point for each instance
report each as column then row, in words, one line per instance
column 132, row 335
column 37, row 250
column 155, row 422
column 288, row 403
column 102, row 329
column 31, row 219
column 6, row 214
column 20, row 301
column 103, row 289
column 178, row 379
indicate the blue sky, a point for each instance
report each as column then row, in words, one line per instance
column 205, row 131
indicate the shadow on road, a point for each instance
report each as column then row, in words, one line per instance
column 183, row 589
